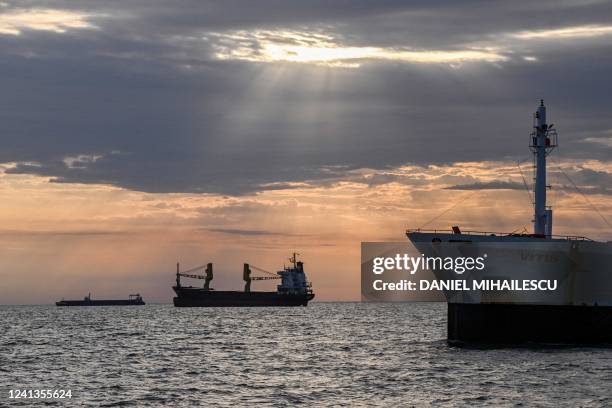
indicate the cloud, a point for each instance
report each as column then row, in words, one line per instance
column 585, row 31
column 249, row 233
column 13, row 22
column 430, row 90
column 322, row 49
column 605, row 140
column 81, row 161
column 61, row 233
column 490, row 185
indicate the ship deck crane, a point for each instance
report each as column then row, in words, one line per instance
column 208, row 277
column 248, row 278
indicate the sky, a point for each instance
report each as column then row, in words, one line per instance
column 136, row 134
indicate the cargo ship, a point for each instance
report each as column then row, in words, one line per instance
column 293, row 290
column 578, row 311
column 133, row 300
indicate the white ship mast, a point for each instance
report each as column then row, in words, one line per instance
column 543, row 141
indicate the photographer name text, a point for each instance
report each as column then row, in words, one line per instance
column 465, row 285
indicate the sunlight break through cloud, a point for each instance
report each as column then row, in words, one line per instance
column 58, row 21
column 300, row 47
column 566, row 32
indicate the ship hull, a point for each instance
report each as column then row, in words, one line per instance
column 512, row 324
column 101, row 302
column 197, row 297
column 578, row 311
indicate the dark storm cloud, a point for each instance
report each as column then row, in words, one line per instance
column 144, row 92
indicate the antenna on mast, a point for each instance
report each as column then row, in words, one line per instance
column 542, row 141
column 294, row 260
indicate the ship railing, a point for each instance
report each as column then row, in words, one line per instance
column 498, row 234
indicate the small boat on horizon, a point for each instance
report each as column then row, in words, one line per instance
column 133, row 300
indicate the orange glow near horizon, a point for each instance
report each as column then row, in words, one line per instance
column 68, row 239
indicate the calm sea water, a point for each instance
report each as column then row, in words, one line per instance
column 341, row 354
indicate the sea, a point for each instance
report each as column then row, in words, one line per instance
column 326, row 354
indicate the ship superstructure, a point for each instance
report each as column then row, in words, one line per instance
column 293, row 290
column 579, row 310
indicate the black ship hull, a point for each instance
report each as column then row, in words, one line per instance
column 515, row 324
column 198, row 297
column 102, row 302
